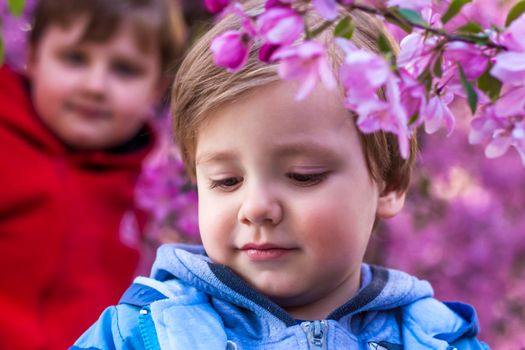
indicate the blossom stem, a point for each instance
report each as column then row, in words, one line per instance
column 440, row 32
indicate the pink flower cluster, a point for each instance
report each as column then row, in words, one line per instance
column 278, row 27
column 462, row 229
column 165, row 192
column 502, row 124
column 486, row 67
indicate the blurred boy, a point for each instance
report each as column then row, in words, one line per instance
column 289, row 192
column 72, row 140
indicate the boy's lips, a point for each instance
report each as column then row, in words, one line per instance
column 265, row 252
column 87, row 110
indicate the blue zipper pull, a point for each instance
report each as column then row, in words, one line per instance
column 315, row 333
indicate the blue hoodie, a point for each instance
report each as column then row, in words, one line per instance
column 191, row 303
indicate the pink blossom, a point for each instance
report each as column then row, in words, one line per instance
column 511, row 102
column 362, row 74
column 158, row 190
column 500, row 132
column 485, row 13
column 277, row 3
column 129, row 231
column 413, row 96
column 306, row 62
column 510, row 65
column 326, row 8
column 163, row 191
column 266, row 52
column 503, row 139
column 437, row 113
column 482, row 127
column 416, row 52
column 216, row 6
column 416, row 5
column 247, row 24
column 512, row 38
column 470, row 57
column 280, row 25
column 389, row 116
column 230, row 50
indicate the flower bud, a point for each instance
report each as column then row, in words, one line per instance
column 280, row 25
column 216, row 6
column 230, row 50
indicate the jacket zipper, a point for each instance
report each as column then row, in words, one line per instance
column 147, row 329
column 315, row 333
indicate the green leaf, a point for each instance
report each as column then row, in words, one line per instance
column 412, row 17
column 413, row 118
column 472, row 97
column 516, row 11
column 16, row 6
column 384, row 44
column 319, row 29
column 345, row 28
column 397, row 20
column 453, row 9
column 470, row 28
column 425, row 78
column 1, row 50
column 437, row 69
column 489, row 85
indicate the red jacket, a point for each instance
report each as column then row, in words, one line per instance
column 62, row 259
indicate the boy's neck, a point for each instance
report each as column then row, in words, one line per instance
column 320, row 308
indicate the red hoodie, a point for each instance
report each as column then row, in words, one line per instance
column 62, row 259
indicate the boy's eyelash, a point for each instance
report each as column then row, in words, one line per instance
column 126, row 69
column 307, row 179
column 299, row 178
column 226, row 183
column 74, row 57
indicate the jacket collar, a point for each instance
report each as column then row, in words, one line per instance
column 383, row 289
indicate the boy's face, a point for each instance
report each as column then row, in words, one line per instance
column 285, row 196
column 93, row 95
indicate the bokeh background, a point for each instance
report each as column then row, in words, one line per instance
column 463, row 227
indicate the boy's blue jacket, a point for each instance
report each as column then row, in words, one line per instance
column 191, row 303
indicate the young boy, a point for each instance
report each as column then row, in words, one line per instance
column 288, row 195
column 72, row 140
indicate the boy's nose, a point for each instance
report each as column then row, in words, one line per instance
column 95, row 80
column 260, row 207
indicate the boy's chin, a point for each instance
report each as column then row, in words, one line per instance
column 90, row 141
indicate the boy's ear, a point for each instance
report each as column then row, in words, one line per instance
column 390, row 203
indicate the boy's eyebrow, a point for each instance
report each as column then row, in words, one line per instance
column 279, row 150
column 218, row 156
column 298, row 148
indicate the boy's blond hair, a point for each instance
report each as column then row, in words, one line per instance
column 159, row 19
column 201, row 87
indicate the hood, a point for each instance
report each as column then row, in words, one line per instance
column 382, row 289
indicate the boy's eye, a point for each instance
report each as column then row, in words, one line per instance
column 227, row 184
column 125, row 69
column 74, row 57
column 307, row 179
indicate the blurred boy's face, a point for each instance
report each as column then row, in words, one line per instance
column 93, row 95
column 285, row 196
